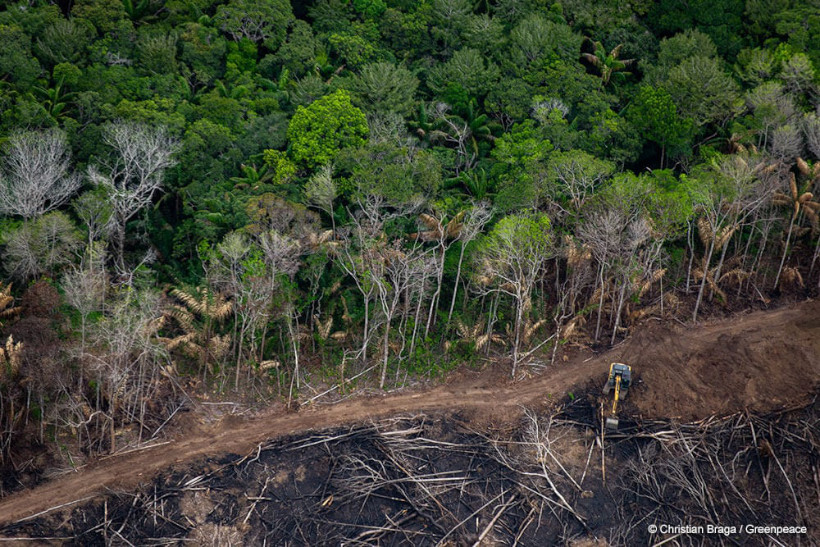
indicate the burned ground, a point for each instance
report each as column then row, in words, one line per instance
column 433, row 479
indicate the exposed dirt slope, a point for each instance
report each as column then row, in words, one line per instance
column 762, row 360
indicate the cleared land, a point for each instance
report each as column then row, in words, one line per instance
column 761, row 361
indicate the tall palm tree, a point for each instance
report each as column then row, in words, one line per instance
column 423, row 125
column 608, row 64
column 54, row 100
column 474, row 183
column 799, row 200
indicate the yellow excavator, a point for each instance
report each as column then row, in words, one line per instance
column 620, row 378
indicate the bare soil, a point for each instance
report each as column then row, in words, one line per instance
column 762, row 361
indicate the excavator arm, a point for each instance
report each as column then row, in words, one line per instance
column 620, row 378
column 617, row 396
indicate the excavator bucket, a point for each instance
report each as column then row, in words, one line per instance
column 612, row 423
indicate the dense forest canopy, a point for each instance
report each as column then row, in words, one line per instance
column 260, row 193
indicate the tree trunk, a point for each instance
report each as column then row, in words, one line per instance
column 703, row 281
column 491, row 321
column 386, row 348
column 617, row 324
column 416, row 316
column 785, row 252
column 366, row 326
column 691, row 242
column 601, row 301
column 434, row 301
column 120, row 246
column 764, row 234
column 455, row 286
column 719, row 268
column 814, row 258
column 295, row 348
column 518, row 320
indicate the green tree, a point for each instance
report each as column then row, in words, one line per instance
column 654, row 114
column 449, row 19
column 483, row 33
column 352, row 50
column 203, row 52
column 536, row 39
column 703, row 91
column 722, row 20
column 261, row 21
column 105, row 15
column 383, row 87
column 280, row 168
column 520, row 166
column 370, row 8
column 407, row 34
column 17, row 64
column 297, row 53
column 395, row 173
column 689, row 43
column 468, row 69
column 317, row 132
column 157, row 53
column 64, row 41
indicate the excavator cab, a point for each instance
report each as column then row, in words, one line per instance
column 619, row 380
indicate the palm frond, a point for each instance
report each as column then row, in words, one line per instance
column 803, row 167
column 324, row 328
column 705, row 231
column 724, row 235
column 792, row 277
column 532, row 329
column 10, row 356
column 656, row 276
column 182, row 316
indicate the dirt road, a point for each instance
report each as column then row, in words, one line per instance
column 760, row 360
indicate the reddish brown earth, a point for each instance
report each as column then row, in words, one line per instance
column 761, row 360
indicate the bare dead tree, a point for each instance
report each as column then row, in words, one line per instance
column 134, row 172
column 443, row 232
column 472, row 225
column 85, row 287
column 601, row 233
column 811, row 131
column 786, row 143
column 127, row 359
column 36, row 176
column 394, row 271
column 358, row 252
column 627, row 251
column 281, row 255
column 44, row 245
column 512, row 261
column 772, row 107
column 577, row 174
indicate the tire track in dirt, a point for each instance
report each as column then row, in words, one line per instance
column 688, row 372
